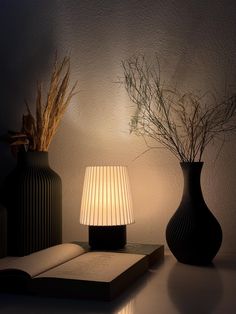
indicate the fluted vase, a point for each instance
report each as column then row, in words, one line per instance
column 33, row 197
column 3, row 231
column 193, row 233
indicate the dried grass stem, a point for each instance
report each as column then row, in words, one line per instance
column 41, row 128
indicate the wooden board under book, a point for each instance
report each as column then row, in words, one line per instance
column 154, row 252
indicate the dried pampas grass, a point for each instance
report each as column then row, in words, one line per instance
column 40, row 129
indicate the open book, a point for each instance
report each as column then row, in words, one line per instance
column 67, row 270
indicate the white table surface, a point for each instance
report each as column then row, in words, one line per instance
column 168, row 288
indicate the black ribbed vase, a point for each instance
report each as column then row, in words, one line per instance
column 193, row 234
column 3, row 231
column 34, row 205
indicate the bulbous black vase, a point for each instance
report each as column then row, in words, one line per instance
column 193, row 234
column 33, row 198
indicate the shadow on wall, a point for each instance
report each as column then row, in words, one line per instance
column 27, row 43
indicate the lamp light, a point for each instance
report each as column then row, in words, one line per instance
column 106, row 206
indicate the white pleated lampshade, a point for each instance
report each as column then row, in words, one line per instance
column 106, row 198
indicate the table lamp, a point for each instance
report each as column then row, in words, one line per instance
column 106, row 206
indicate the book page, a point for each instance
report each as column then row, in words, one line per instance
column 43, row 260
column 94, row 266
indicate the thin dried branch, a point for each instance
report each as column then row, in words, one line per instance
column 185, row 124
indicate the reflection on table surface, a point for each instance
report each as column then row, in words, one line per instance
column 168, row 288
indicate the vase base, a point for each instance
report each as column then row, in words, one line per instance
column 196, row 262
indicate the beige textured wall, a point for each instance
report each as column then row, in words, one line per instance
column 196, row 44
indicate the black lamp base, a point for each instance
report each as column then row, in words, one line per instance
column 107, row 237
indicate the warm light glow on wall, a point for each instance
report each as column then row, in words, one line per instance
column 106, row 199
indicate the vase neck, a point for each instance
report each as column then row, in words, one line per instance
column 33, row 159
column 192, row 184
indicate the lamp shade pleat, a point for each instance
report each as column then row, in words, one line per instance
column 106, row 198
